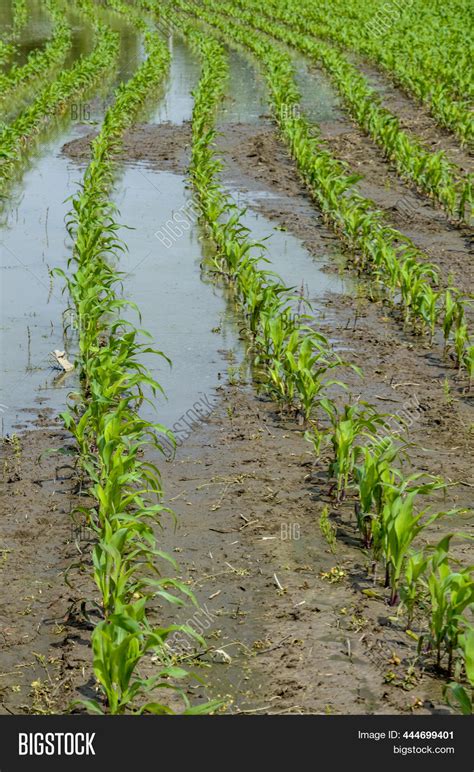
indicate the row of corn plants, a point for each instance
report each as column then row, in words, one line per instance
column 20, row 17
column 295, row 364
column 430, row 587
column 432, row 173
column 6, row 50
column 424, row 34
column 55, row 98
column 41, row 62
column 394, row 263
column 426, row 51
column 111, row 437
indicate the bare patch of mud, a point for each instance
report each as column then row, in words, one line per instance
column 414, row 116
column 162, row 146
column 37, row 543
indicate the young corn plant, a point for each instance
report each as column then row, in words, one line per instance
column 451, row 595
column 462, row 694
column 119, row 644
column 373, row 472
column 328, row 529
column 411, row 587
column 401, row 523
column 453, row 313
column 354, row 424
column 468, row 363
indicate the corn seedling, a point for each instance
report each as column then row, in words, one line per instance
column 464, row 695
column 328, row 529
column 411, row 588
column 451, row 595
column 354, row 424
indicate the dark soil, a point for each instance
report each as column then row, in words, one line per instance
column 141, row 145
column 37, row 543
column 248, row 496
column 414, row 116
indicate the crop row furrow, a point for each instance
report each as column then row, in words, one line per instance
column 431, row 173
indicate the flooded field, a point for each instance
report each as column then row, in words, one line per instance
column 235, row 344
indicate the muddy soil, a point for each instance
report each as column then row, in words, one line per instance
column 141, row 145
column 414, row 116
column 260, row 159
column 37, row 543
column 281, row 637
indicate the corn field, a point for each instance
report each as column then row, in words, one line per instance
column 257, row 217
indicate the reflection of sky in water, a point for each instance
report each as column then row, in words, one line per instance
column 164, row 279
column 246, row 99
column 319, row 99
column 31, row 317
column 177, row 103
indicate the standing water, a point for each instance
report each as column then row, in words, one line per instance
column 33, row 241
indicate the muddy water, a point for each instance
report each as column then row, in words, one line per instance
column 33, row 240
column 193, row 324
column 319, row 99
column 176, row 106
column 164, row 279
column 247, row 102
column 6, row 20
column 290, row 258
column 35, row 33
column 245, row 94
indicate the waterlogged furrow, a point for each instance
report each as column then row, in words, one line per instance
column 41, row 62
column 392, row 260
column 294, row 361
column 432, row 173
column 16, row 139
column 110, row 434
